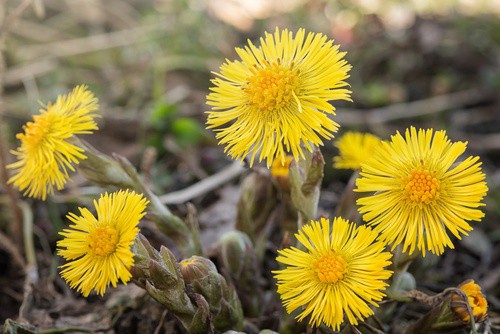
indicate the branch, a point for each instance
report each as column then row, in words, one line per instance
column 204, row 186
column 16, row 13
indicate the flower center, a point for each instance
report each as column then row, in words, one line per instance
column 103, row 240
column 272, row 87
column 421, row 186
column 330, row 268
column 36, row 132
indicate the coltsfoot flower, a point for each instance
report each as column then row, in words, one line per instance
column 98, row 249
column 275, row 98
column 280, row 172
column 340, row 272
column 354, row 149
column 477, row 302
column 421, row 191
column 45, row 155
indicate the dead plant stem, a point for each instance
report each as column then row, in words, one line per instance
column 31, row 278
column 16, row 226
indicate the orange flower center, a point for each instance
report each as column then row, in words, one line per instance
column 421, row 186
column 272, row 87
column 330, row 268
column 103, row 240
column 36, row 132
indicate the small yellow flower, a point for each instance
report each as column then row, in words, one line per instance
column 421, row 192
column 477, row 302
column 280, row 168
column 276, row 98
column 354, row 149
column 98, row 249
column 45, row 154
column 341, row 272
column 280, row 172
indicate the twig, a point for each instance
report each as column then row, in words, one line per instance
column 355, row 330
column 18, row 73
column 31, row 278
column 39, row 8
column 204, row 186
column 373, row 329
column 483, row 143
column 16, row 13
column 161, row 323
column 412, row 109
column 92, row 43
column 425, row 107
column 378, row 322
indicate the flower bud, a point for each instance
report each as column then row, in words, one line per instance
column 102, row 169
column 192, row 290
column 159, row 274
column 477, row 302
column 197, row 268
column 201, row 275
column 403, row 282
column 280, row 171
column 451, row 310
column 143, row 251
column 257, row 200
column 237, row 255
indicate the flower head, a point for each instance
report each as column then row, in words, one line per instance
column 354, row 148
column 477, row 302
column 421, row 192
column 98, row 248
column 45, row 154
column 276, row 98
column 341, row 271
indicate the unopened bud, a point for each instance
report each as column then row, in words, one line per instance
column 257, row 200
column 202, row 276
column 403, row 282
column 102, row 169
column 238, row 257
column 143, row 251
column 161, row 276
column 196, row 268
column 234, row 247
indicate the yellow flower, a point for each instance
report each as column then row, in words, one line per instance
column 421, row 192
column 354, row 149
column 477, row 302
column 98, row 249
column 280, row 168
column 45, row 154
column 276, row 98
column 340, row 272
column 280, row 172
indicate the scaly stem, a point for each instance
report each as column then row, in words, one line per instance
column 305, row 182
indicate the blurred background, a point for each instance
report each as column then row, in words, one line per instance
column 426, row 63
